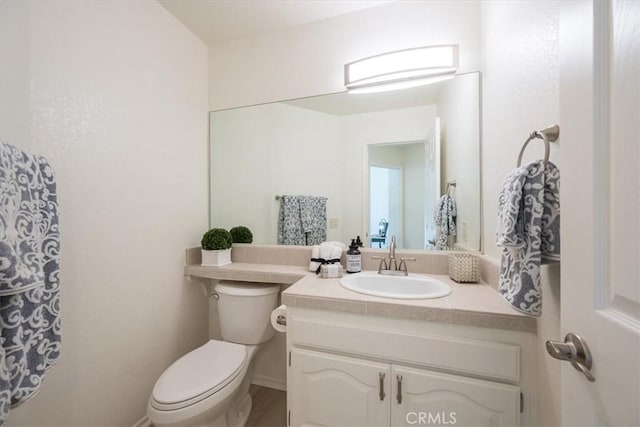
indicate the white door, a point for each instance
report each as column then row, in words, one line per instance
column 338, row 391
column 600, row 149
column 421, row 397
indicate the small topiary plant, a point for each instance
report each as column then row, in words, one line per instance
column 241, row 234
column 216, row 239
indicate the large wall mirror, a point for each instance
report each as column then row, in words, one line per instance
column 384, row 161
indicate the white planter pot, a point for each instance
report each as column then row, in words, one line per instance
column 216, row 258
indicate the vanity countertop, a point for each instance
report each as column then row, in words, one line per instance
column 468, row 304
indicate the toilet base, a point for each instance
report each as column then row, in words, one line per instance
column 238, row 416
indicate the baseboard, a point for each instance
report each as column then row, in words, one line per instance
column 269, row 382
column 143, row 422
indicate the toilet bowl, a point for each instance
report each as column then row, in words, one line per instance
column 210, row 385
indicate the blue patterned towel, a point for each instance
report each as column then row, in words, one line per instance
column 302, row 220
column 528, row 232
column 30, row 333
column 445, row 221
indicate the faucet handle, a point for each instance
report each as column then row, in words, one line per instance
column 403, row 264
column 383, row 262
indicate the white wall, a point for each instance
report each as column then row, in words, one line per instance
column 520, row 94
column 415, row 188
column 240, row 156
column 308, row 60
column 271, row 149
column 114, row 94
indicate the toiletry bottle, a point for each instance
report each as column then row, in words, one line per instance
column 354, row 259
column 359, row 242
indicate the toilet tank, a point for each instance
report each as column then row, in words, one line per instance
column 244, row 311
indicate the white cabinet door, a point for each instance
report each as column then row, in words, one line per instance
column 331, row 390
column 421, row 397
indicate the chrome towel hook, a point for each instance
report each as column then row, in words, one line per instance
column 451, row 185
column 549, row 134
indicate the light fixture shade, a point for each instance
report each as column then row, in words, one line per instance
column 401, row 66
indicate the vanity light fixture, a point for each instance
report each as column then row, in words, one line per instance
column 402, row 69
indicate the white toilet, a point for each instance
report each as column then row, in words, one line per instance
column 210, row 385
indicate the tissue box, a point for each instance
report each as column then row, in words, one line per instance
column 463, row 267
column 331, row 271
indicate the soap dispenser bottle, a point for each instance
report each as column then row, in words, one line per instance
column 354, row 258
column 359, row 242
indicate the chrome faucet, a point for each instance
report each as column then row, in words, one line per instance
column 392, row 268
column 392, row 254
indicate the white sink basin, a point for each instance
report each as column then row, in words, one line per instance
column 401, row 287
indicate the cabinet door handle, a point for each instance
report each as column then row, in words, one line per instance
column 399, row 395
column 381, row 375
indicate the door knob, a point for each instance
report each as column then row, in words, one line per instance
column 574, row 350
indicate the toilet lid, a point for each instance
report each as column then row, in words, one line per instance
column 200, row 373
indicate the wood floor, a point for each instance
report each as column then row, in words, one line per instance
column 269, row 407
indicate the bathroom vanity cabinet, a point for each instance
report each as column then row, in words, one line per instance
column 336, row 390
column 356, row 370
column 466, row 359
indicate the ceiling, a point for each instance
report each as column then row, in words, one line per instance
column 218, row 21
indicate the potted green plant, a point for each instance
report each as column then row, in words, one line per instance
column 216, row 247
column 241, row 234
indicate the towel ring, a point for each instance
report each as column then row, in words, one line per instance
column 549, row 134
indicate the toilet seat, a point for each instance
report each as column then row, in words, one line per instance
column 198, row 375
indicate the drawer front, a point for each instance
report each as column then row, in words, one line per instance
column 487, row 359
